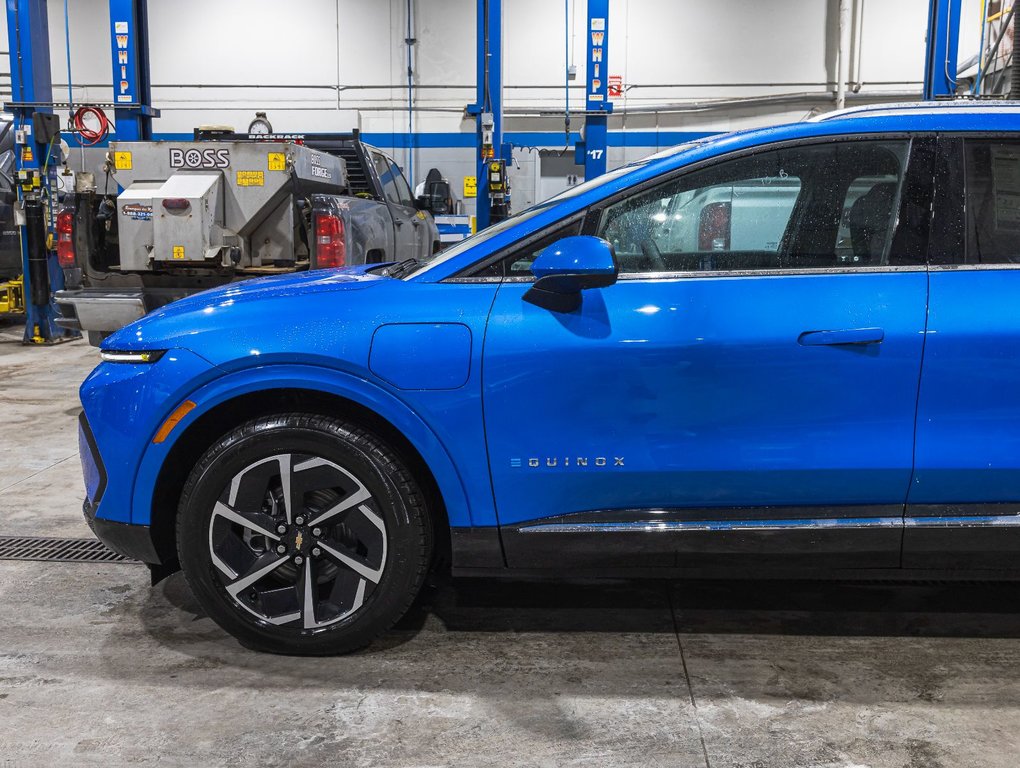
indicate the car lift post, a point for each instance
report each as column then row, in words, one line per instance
column 941, row 49
column 488, row 108
column 132, row 94
column 591, row 151
column 32, row 92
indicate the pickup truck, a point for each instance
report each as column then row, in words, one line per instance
column 167, row 219
column 10, row 239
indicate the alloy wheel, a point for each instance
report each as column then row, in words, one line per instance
column 296, row 541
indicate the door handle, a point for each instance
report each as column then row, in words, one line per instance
column 847, row 336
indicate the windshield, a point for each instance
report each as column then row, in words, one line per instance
column 520, row 218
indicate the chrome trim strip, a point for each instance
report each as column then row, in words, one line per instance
column 632, row 276
column 847, row 270
column 974, row 267
column 650, row 526
column 714, row 525
column 975, row 521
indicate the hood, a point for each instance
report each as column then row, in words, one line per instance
column 263, row 315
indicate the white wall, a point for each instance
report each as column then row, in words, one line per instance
column 321, row 65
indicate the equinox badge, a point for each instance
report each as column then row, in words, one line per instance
column 567, row 461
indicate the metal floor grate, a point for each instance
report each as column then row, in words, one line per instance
column 57, row 550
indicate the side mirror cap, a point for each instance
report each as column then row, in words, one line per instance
column 569, row 266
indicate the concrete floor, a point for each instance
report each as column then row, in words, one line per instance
column 97, row 668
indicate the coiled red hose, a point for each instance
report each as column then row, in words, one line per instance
column 87, row 136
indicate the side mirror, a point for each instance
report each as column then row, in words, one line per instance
column 423, row 203
column 569, row 266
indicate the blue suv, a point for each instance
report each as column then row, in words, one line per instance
column 777, row 352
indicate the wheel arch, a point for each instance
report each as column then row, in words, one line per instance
column 159, row 496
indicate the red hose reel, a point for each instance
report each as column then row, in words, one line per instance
column 89, row 133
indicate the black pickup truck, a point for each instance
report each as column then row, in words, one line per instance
column 166, row 219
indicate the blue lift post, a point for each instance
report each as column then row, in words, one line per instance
column 32, row 91
column 597, row 104
column 132, row 97
column 942, row 49
column 489, row 104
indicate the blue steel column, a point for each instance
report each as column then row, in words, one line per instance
column 942, row 48
column 489, row 94
column 129, row 38
column 31, row 84
column 597, row 104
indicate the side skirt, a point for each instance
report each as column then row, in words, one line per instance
column 980, row 540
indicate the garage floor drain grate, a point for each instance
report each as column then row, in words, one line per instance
column 57, row 550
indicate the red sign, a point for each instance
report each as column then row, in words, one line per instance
column 615, row 86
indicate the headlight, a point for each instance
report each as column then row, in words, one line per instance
column 116, row 356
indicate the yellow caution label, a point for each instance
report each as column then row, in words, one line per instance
column 122, row 161
column 470, row 186
column 26, row 154
column 178, row 252
column 277, row 161
column 251, row 179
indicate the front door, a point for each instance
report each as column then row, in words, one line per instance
column 746, row 389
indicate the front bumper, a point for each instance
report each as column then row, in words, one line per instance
column 126, row 539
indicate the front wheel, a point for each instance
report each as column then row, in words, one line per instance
column 303, row 534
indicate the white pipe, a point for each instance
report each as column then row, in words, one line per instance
column 843, row 52
column 856, row 45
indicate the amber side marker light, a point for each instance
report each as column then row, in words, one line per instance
column 173, row 420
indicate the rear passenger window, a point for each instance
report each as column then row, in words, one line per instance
column 386, row 178
column 992, row 171
column 403, row 190
column 818, row 206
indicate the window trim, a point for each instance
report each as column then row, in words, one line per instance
column 593, row 213
column 804, row 271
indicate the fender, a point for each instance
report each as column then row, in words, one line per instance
column 329, row 381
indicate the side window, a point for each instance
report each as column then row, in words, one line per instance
column 403, row 190
column 992, row 172
column 518, row 263
column 382, row 167
column 794, row 208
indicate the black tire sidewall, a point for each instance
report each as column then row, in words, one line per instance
column 395, row 498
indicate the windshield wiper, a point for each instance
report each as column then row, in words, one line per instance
column 401, row 268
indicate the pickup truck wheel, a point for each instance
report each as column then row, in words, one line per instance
column 303, row 534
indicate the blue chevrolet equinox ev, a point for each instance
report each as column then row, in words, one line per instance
column 788, row 351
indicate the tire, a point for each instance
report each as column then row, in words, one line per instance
column 303, row 534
